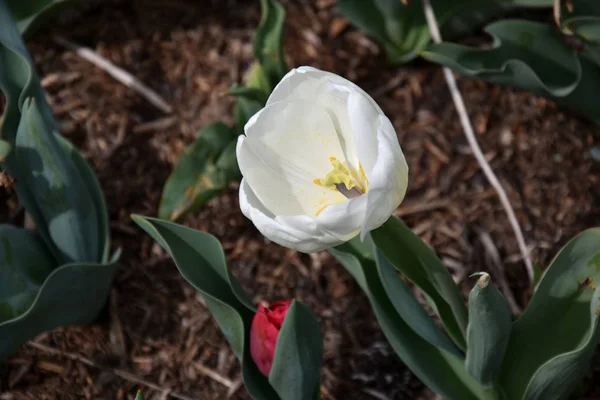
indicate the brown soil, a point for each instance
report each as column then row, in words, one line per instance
column 156, row 328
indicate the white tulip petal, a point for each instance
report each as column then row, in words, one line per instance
column 344, row 220
column 299, row 83
column 270, row 227
column 301, row 132
column 322, row 239
column 333, row 92
column 287, row 147
column 364, row 120
column 388, row 181
column 304, row 83
column 334, row 97
column 275, row 192
column 311, row 116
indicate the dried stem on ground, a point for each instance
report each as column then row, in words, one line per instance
column 118, row 73
column 470, row 134
column 128, row 376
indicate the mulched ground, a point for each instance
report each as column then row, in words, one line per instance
column 156, row 328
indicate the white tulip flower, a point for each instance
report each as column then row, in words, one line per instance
column 321, row 163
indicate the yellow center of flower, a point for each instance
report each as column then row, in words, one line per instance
column 347, row 181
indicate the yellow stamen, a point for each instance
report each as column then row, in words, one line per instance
column 342, row 175
column 344, row 180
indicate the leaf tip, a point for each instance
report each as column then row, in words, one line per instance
column 484, row 279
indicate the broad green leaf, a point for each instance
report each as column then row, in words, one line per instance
column 441, row 371
column 5, row 148
column 256, row 383
column 48, row 182
column 268, row 41
column 531, row 56
column 409, row 308
column 93, row 188
column 249, row 93
column 257, row 79
column 582, row 18
column 199, row 176
column 402, row 29
column 296, row 369
column 526, row 54
column 552, row 343
column 244, row 110
column 72, row 294
column 25, row 262
column 415, row 260
column 251, row 96
column 200, row 259
column 139, row 396
column 18, row 79
column 30, row 14
column 39, row 163
column 488, row 331
column 227, row 160
column 537, row 275
column 367, row 16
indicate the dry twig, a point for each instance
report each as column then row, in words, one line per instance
column 214, row 375
column 469, row 133
column 118, row 372
column 118, row 73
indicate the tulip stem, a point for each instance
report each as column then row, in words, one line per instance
column 469, row 133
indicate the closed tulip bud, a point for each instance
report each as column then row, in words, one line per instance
column 321, row 163
column 264, row 331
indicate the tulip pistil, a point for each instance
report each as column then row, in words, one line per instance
column 349, row 183
column 341, row 176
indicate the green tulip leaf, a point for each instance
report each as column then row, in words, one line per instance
column 440, row 370
column 18, row 79
column 402, row 30
column 139, row 396
column 488, row 331
column 72, row 294
column 54, row 190
column 257, row 79
column 531, row 56
column 200, row 174
column 417, row 262
column 410, row 309
column 92, row 186
column 250, row 93
column 296, row 369
column 244, row 110
column 552, row 343
column 5, row 148
column 30, row 14
column 59, row 275
column 268, row 42
column 526, row 54
column 200, row 259
column 39, row 163
column 581, row 18
column 25, row 262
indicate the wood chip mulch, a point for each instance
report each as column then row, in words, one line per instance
column 156, row 333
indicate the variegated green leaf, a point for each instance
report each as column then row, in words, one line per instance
column 25, row 262
column 552, row 343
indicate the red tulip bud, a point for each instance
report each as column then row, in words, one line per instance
column 263, row 334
